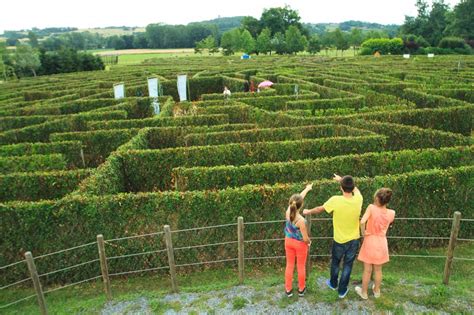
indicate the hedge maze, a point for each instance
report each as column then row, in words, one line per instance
column 75, row 162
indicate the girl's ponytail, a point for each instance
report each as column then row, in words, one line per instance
column 293, row 210
column 296, row 202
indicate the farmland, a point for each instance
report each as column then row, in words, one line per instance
column 75, row 162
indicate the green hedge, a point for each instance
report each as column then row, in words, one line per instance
column 367, row 164
column 466, row 95
column 97, row 144
column 170, row 137
column 218, row 119
column 277, row 103
column 272, row 134
column 238, row 95
column 71, row 107
column 37, row 162
column 46, row 227
column 411, row 137
column 137, row 164
column 14, row 122
column 238, row 114
column 41, row 132
column 40, row 185
column 423, row 99
column 71, row 150
column 331, row 103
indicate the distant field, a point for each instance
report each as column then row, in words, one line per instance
column 137, row 56
column 112, row 31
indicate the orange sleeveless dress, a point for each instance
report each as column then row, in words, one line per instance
column 374, row 249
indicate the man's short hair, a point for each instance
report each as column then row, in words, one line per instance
column 347, row 184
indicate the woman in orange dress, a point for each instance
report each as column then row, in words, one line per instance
column 374, row 250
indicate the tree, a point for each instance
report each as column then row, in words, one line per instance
column 252, row 25
column 356, row 38
column 341, row 41
column 230, row 42
column 279, row 19
column 33, row 39
column 437, row 22
column 3, row 67
column 247, row 42
column 27, row 59
column 295, row 42
column 463, row 20
column 264, row 44
column 314, row 45
column 279, row 43
column 208, row 43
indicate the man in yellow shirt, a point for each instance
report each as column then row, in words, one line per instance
column 346, row 213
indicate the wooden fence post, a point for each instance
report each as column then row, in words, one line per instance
column 170, row 251
column 103, row 266
column 36, row 282
column 240, row 242
column 452, row 244
column 308, row 260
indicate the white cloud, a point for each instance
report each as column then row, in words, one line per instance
column 100, row 13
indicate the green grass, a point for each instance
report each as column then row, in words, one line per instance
column 406, row 280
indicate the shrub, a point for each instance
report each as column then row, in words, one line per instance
column 32, row 163
column 40, row 185
column 453, row 43
column 384, row 46
column 363, row 165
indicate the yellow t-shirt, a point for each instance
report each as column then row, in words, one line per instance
column 346, row 213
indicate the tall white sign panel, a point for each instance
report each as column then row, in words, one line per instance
column 153, row 87
column 182, row 87
column 119, row 90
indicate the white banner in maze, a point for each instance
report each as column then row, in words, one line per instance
column 153, row 87
column 182, row 88
column 119, row 90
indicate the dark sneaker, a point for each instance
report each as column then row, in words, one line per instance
column 343, row 295
column 328, row 283
column 289, row 293
column 301, row 293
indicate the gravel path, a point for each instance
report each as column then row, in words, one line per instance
column 248, row 300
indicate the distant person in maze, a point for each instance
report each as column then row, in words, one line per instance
column 346, row 209
column 296, row 243
column 374, row 250
column 226, row 92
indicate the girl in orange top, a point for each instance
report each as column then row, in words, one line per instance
column 374, row 250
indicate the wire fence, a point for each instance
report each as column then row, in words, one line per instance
column 170, row 251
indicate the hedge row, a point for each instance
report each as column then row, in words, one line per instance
column 411, row 137
column 40, row 185
column 37, row 162
column 137, row 164
column 423, row 99
column 171, row 137
column 238, row 113
column 277, row 103
column 238, row 95
column 218, row 119
column 41, row 132
column 272, row 134
column 71, row 107
column 348, row 102
column 361, row 165
column 71, row 150
column 138, row 107
column 463, row 94
column 98, row 144
column 47, row 227
column 14, row 122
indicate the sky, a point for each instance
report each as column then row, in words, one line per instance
column 26, row 14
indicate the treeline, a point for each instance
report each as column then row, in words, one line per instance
column 28, row 61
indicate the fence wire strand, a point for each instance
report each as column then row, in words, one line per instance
column 417, row 256
column 420, row 237
column 15, row 283
column 17, row 301
column 70, row 267
column 204, row 228
column 266, row 257
column 207, row 262
column 134, row 236
column 65, row 250
column 466, row 239
column 463, row 259
column 137, row 271
column 13, row 264
column 71, row 284
column 137, row 254
column 205, row 245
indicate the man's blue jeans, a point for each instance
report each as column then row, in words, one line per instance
column 348, row 251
